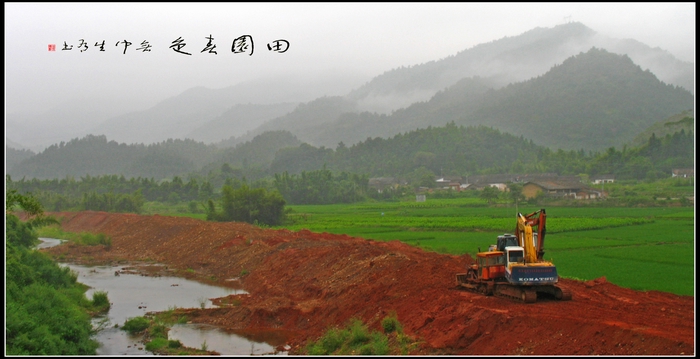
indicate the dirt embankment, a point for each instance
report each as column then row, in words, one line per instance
column 304, row 282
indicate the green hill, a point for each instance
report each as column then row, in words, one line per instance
column 445, row 149
column 683, row 121
column 96, row 156
column 592, row 101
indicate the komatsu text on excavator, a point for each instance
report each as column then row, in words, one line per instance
column 514, row 267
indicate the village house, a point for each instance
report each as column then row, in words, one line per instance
column 683, row 172
column 600, row 179
column 383, row 183
column 449, row 182
column 501, row 181
column 572, row 189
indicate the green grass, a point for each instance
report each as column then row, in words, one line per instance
column 156, row 344
column 200, row 216
column 84, row 238
column 357, row 339
column 664, row 267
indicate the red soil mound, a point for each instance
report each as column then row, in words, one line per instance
column 304, row 282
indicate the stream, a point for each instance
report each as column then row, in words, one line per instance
column 134, row 295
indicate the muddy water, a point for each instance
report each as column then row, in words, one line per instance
column 134, row 295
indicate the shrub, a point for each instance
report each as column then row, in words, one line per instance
column 100, row 301
column 358, row 333
column 135, row 325
column 329, row 342
column 358, row 339
column 155, row 344
column 391, row 324
column 158, row 331
column 380, row 344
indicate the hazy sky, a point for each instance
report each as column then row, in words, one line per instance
column 361, row 39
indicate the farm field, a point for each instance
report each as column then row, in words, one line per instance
column 638, row 248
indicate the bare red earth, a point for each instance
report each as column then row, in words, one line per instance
column 304, row 282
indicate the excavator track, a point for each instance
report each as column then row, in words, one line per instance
column 565, row 294
column 522, row 294
column 556, row 292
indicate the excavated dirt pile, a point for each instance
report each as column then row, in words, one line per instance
column 302, row 283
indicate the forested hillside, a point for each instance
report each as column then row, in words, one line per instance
column 96, row 156
column 457, row 150
column 449, row 150
column 256, row 153
column 438, row 149
column 591, row 101
column 684, row 121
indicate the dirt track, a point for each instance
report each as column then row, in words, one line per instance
column 303, row 282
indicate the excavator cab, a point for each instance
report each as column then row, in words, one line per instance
column 490, row 265
column 515, row 255
column 506, row 240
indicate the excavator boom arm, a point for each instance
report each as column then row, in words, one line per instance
column 538, row 219
column 536, row 222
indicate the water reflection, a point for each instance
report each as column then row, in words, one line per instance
column 48, row 242
column 194, row 335
column 134, row 295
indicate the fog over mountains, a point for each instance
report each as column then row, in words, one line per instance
column 324, row 111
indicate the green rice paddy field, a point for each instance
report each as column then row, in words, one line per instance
column 639, row 248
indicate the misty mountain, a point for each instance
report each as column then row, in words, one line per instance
column 306, row 119
column 181, row 116
column 14, row 145
column 492, row 65
column 216, row 114
column 238, row 120
column 509, row 60
column 75, row 118
column 15, row 156
column 193, row 110
column 591, row 101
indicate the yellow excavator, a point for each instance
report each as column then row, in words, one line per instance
column 514, row 267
